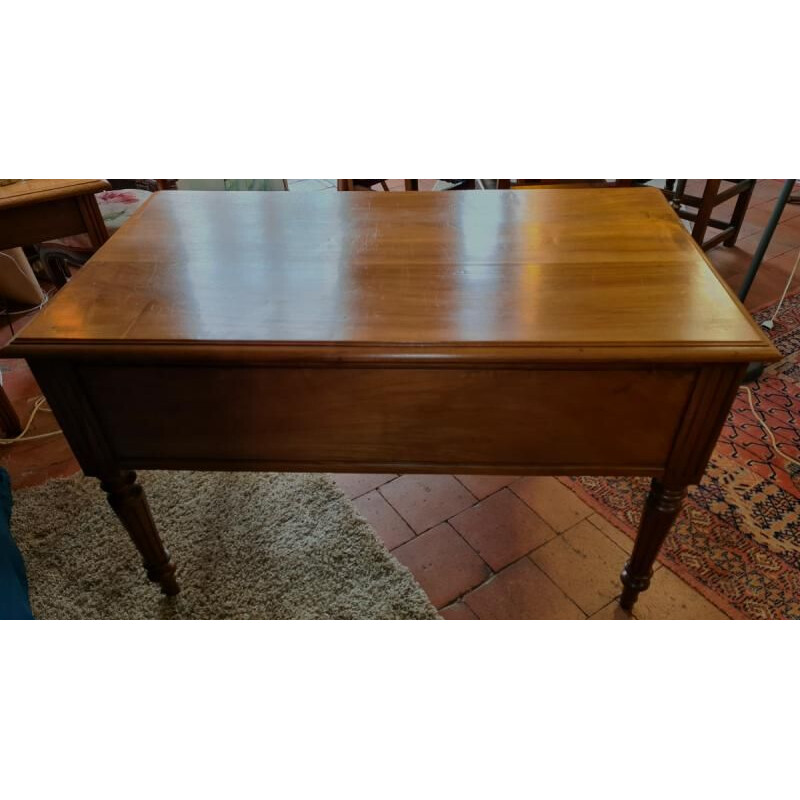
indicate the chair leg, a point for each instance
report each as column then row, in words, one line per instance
column 56, row 265
column 680, row 190
column 385, row 186
column 704, row 212
column 739, row 210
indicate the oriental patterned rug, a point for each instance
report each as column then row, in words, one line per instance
column 737, row 541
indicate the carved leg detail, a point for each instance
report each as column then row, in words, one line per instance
column 661, row 508
column 128, row 500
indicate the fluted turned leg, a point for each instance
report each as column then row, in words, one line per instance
column 128, row 500
column 660, row 511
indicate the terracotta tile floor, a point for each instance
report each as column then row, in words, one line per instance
column 486, row 547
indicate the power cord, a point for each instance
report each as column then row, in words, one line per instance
column 769, row 324
column 766, row 427
column 37, row 406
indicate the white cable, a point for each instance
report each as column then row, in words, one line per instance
column 28, row 310
column 770, row 323
column 767, row 429
column 37, row 406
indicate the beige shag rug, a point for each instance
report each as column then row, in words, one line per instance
column 247, row 546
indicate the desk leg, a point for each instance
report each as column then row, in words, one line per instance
column 93, row 220
column 128, row 500
column 661, row 509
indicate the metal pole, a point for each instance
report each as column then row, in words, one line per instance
column 766, row 238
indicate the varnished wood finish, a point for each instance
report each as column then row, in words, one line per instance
column 31, row 224
column 359, row 416
column 502, row 276
column 713, row 393
column 33, row 211
column 127, row 498
column 699, row 428
column 93, row 220
column 33, row 192
column 661, row 508
column 62, row 385
column 555, row 331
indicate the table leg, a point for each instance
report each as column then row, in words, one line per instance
column 128, row 500
column 705, row 211
column 661, row 508
column 93, row 220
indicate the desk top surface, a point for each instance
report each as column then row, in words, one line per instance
column 556, row 274
column 28, row 192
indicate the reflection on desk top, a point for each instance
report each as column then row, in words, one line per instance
column 556, row 274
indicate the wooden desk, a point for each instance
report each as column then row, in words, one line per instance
column 38, row 210
column 34, row 211
column 548, row 332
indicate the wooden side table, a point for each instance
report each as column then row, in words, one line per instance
column 34, row 211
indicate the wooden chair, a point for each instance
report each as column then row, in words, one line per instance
column 366, row 184
column 699, row 209
column 532, row 183
column 412, row 185
column 696, row 209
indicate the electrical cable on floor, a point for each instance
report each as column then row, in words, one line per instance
column 29, row 310
column 766, row 427
column 37, row 406
column 769, row 324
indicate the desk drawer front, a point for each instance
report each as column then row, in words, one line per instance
column 604, row 420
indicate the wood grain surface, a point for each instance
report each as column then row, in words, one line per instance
column 556, row 274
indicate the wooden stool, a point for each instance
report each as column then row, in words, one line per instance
column 699, row 210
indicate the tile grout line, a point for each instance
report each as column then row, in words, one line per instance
column 556, row 583
column 373, row 489
column 564, row 591
column 447, row 519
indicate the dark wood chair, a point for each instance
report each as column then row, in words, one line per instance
column 699, row 209
column 575, row 183
column 410, row 185
column 366, row 184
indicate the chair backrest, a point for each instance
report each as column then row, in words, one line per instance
column 360, row 184
column 571, row 183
